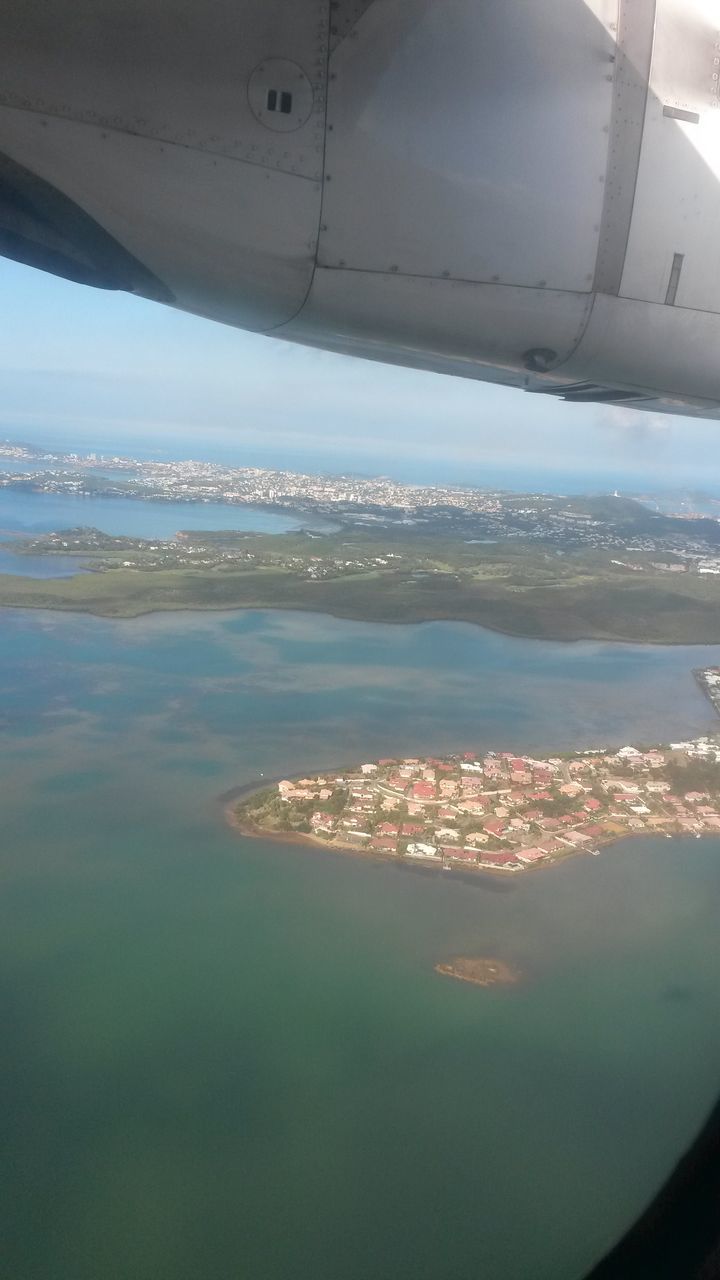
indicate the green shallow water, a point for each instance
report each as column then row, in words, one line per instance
column 225, row 1059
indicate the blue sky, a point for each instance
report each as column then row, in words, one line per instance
column 102, row 370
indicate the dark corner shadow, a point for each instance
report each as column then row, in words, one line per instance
column 678, row 1235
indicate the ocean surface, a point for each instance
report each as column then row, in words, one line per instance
column 228, row 1058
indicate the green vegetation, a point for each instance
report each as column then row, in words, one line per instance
column 381, row 576
column 694, row 775
column 265, row 810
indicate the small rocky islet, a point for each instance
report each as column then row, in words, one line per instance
column 482, row 971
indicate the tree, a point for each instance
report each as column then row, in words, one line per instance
column 696, row 775
column 337, row 801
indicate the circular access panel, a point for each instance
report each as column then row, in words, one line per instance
column 280, row 95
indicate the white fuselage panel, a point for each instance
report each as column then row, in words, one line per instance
column 515, row 191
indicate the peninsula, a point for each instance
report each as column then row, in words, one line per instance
column 640, row 594
column 495, row 811
column 535, row 565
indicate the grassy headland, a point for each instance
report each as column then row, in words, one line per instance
column 393, row 576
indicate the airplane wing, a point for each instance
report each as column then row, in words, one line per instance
column 510, row 191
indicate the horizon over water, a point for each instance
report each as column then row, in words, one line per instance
column 405, row 467
column 227, row 1057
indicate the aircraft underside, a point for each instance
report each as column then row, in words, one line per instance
column 515, row 192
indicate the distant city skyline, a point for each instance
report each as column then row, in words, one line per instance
column 94, row 369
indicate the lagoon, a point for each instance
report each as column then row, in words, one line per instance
column 28, row 513
column 232, row 1058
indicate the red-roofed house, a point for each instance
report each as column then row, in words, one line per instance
column 530, row 855
column 550, row 844
column 383, row 844
column 460, row 855
column 495, row 826
column 575, row 837
column 397, row 782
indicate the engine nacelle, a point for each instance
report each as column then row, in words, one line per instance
column 514, row 191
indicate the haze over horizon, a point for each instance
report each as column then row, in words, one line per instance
column 85, row 368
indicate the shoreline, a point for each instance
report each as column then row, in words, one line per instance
column 229, row 799
column 301, row 838
column 248, row 788
column 422, row 866
column 340, row 616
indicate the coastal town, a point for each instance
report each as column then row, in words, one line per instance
column 498, row 811
column 628, row 528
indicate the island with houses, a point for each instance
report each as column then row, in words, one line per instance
column 497, row 811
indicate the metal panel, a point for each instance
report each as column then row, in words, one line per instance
column 175, row 70
column 677, row 202
column 665, row 350
column 632, row 72
column 230, row 240
column 345, row 14
column 476, row 330
column 470, row 140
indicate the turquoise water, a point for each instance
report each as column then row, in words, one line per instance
column 224, row 1058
